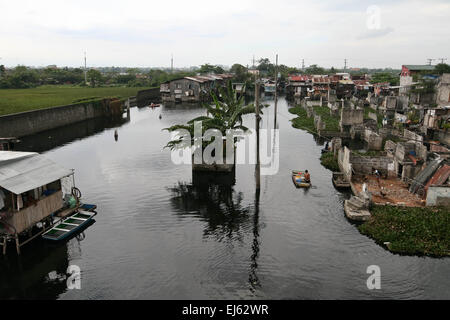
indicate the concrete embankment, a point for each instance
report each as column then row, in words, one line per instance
column 32, row 122
column 145, row 97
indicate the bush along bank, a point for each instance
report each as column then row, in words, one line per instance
column 410, row 231
column 302, row 121
column 329, row 161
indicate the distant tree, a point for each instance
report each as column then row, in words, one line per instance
column 95, row 77
column 442, row 68
column 208, row 68
column 385, row 77
column 285, row 71
column 133, row 71
column 265, row 67
column 21, row 77
column 125, row 78
column 2, row 70
column 315, row 69
column 240, row 72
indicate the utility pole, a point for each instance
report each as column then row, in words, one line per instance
column 442, row 59
column 345, row 64
column 429, row 61
column 257, row 117
column 276, row 91
column 171, row 64
column 303, row 65
column 85, row 70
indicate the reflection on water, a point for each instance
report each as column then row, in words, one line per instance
column 57, row 137
column 163, row 234
column 253, row 276
column 220, row 206
column 41, row 272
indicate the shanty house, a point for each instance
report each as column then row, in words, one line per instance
column 407, row 75
column 297, row 85
column 191, row 89
column 31, row 189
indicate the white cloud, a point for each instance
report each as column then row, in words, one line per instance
column 145, row 33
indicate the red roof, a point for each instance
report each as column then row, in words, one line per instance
column 321, row 80
column 440, row 177
column 300, row 78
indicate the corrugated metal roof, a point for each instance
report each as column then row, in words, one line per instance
column 424, row 175
column 196, row 79
column 418, row 67
column 441, row 176
column 24, row 171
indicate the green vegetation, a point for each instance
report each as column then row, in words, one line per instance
column 305, row 123
column 412, row 231
column 302, row 121
column 208, row 68
column 371, row 153
column 226, row 114
column 331, row 122
column 19, row 100
column 22, row 77
column 425, row 87
column 441, row 68
column 380, row 77
column 329, row 161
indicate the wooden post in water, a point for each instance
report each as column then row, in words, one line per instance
column 17, row 244
column 4, row 245
column 276, row 92
column 258, row 164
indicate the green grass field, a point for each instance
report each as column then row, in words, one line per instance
column 19, row 100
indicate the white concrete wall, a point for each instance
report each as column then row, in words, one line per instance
column 438, row 195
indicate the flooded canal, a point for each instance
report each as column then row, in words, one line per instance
column 158, row 237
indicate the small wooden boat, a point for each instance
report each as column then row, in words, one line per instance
column 88, row 207
column 299, row 184
column 339, row 181
column 70, row 225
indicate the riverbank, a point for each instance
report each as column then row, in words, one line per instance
column 329, row 161
column 20, row 100
column 411, row 231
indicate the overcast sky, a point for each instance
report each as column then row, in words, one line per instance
column 143, row 33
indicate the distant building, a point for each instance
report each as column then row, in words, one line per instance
column 298, row 86
column 253, row 71
column 407, row 74
column 192, row 89
column 32, row 188
column 443, row 90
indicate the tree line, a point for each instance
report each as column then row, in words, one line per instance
column 24, row 77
